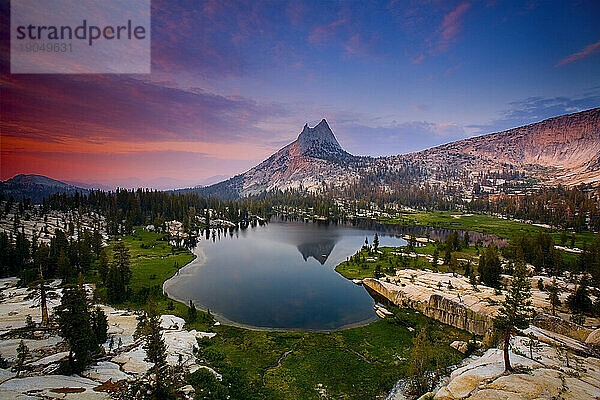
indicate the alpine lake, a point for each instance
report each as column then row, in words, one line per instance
column 280, row 275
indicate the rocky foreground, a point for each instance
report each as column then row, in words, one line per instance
column 548, row 367
column 124, row 355
column 555, row 358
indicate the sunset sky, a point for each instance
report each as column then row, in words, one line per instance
column 233, row 81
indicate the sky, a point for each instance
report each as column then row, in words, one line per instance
column 233, row 81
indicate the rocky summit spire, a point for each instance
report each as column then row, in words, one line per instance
column 320, row 142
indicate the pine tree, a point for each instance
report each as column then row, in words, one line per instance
column 579, row 302
column 99, row 324
column 40, row 291
column 412, row 242
column 192, row 312
column 490, row 267
column 119, row 274
column 375, row 243
column 64, row 267
column 436, row 256
column 103, row 265
column 553, row 295
column 515, row 312
column 73, row 319
column 422, row 377
column 22, row 355
column 149, row 330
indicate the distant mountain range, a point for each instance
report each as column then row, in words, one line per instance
column 35, row 187
column 560, row 150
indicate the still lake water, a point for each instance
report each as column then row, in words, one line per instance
column 280, row 276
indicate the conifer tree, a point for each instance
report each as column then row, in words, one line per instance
column 515, row 312
column 436, row 256
column 73, row 319
column 64, row 267
column 490, row 267
column 553, row 295
column 119, row 274
column 579, row 301
column 103, row 266
column 192, row 312
column 149, row 330
column 99, row 324
column 22, row 354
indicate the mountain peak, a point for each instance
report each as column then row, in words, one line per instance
column 323, row 123
column 319, row 142
column 321, row 132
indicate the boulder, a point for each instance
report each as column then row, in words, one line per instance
column 545, row 376
column 460, row 346
column 541, row 383
column 133, row 362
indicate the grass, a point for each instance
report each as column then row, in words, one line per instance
column 153, row 261
column 358, row 363
column 388, row 262
column 453, row 220
column 483, row 223
column 156, row 263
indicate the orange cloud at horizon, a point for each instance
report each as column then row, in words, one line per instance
column 82, row 160
column 242, row 151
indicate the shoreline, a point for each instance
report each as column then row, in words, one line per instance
column 201, row 259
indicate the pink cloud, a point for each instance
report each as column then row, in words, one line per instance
column 419, row 59
column 451, row 26
column 587, row 51
column 444, row 36
column 324, row 32
column 356, row 45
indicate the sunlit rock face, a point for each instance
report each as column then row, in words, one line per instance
column 568, row 142
column 443, row 297
column 454, row 301
column 561, row 326
column 315, row 157
column 318, row 142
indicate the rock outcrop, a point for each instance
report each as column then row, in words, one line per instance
column 443, row 297
column 125, row 356
column 570, row 143
column 544, row 371
column 593, row 340
column 313, row 158
column 454, row 301
column 561, row 326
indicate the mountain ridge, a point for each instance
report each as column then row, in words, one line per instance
column 559, row 150
column 36, row 187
